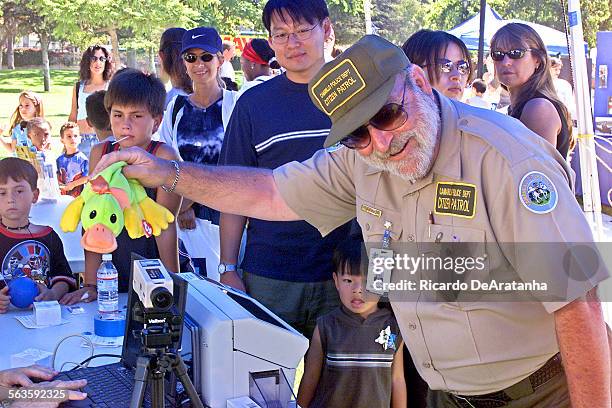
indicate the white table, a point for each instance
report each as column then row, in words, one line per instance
column 49, row 213
column 17, row 338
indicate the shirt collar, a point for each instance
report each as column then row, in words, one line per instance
column 360, row 320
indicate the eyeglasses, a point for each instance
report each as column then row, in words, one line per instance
column 93, row 58
column 390, row 117
column 191, row 58
column 300, row 35
column 514, row 54
column 447, row 66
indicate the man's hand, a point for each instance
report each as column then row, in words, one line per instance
column 21, row 376
column 232, row 279
column 187, row 219
column 5, row 299
column 149, row 170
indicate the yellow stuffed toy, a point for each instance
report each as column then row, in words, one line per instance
column 107, row 204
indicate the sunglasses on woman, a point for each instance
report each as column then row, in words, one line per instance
column 390, row 117
column 191, row 58
column 514, row 54
column 93, row 58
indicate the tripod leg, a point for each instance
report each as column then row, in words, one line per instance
column 140, row 381
column 181, row 372
column 158, row 397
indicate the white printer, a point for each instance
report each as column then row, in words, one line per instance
column 238, row 340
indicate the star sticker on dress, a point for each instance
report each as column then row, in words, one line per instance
column 386, row 339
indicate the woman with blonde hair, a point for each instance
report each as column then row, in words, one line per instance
column 522, row 65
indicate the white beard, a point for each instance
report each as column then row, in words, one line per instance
column 425, row 132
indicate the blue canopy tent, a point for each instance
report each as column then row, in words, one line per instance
column 469, row 30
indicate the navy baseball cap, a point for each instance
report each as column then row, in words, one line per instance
column 204, row 38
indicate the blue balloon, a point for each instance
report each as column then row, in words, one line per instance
column 22, row 292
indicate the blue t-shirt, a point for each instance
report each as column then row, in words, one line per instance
column 272, row 124
column 71, row 167
column 21, row 136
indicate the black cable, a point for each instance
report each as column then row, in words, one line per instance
column 88, row 359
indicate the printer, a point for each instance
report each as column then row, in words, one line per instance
column 234, row 340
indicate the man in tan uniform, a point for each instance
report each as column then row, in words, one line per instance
column 425, row 169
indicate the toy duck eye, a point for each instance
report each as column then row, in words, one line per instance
column 113, row 218
column 92, row 214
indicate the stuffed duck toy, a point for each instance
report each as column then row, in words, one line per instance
column 107, row 204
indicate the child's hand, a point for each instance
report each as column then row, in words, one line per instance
column 89, row 293
column 46, row 294
column 5, row 299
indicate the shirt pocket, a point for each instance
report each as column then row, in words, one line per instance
column 372, row 219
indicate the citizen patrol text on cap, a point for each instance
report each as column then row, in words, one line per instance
column 354, row 86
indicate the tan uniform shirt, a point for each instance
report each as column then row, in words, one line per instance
column 465, row 347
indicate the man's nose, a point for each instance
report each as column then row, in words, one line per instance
column 381, row 139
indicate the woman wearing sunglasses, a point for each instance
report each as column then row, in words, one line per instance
column 195, row 124
column 95, row 73
column 522, row 65
column 444, row 58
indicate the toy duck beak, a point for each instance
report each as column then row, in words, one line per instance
column 98, row 238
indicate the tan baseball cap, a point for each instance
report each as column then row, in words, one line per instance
column 353, row 87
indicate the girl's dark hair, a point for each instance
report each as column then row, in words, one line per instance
column 265, row 52
column 131, row 87
column 424, row 47
column 348, row 256
column 312, row 11
column 171, row 60
column 518, row 35
column 84, row 71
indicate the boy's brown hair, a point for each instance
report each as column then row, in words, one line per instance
column 18, row 169
column 133, row 87
column 68, row 125
column 37, row 123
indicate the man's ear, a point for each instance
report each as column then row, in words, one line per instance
column 419, row 79
column 327, row 28
column 36, row 192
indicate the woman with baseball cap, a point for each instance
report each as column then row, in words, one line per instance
column 195, row 124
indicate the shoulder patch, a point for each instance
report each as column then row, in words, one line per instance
column 537, row 193
column 334, row 147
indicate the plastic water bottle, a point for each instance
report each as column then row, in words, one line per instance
column 108, row 288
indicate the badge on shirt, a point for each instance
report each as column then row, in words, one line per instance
column 387, row 339
column 334, row 147
column 538, row 193
column 456, row 199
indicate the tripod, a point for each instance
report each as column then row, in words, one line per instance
column 162, row 329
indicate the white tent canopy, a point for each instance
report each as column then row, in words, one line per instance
column 469, row 30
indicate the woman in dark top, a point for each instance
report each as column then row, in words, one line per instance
column 522, row 65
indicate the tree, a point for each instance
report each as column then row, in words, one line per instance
column 396, row 20
column 14, row 16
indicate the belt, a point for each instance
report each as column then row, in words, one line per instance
column 521, row 389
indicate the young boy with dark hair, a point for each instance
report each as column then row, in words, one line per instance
column 135, row 102
column 72, row 165
column 28, row 249
column 97, row 116
column 355, row 357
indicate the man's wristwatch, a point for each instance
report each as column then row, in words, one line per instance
column 223, row 267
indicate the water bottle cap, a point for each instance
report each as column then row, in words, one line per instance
column 107, row 257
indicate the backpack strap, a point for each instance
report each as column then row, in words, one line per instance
column 179, row 102
column 153, row 146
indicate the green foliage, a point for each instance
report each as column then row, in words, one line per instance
column 231, row 16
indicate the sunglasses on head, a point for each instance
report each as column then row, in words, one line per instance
column 390, row 117
column 515, row 54
column 93, row 58
column 446, row 66
column 191, row 58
